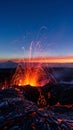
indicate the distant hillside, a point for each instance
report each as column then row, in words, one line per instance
column 60, row 65
column 8, row 64
column 11, row 64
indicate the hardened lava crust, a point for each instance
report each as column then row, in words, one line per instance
column 36, row 108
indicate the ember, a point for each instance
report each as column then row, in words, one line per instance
column 34, row 76
column 31, row 73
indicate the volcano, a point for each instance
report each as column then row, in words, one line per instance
column 35, row 100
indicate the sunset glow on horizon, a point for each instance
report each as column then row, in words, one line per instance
column 50, row 59
column 55, row 59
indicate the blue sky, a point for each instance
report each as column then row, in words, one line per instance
column 47, row 22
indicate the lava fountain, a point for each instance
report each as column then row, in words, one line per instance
column 33, row 74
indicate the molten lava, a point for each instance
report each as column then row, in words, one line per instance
column 32, row 72
column 30, row 75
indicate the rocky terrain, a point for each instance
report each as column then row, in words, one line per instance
column 37, row 108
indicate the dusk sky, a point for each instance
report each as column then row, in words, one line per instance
column 46, row 25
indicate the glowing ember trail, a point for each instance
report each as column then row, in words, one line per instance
column 29, row 73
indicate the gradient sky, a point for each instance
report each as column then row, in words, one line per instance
column 46, row 25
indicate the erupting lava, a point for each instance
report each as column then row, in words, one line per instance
column 30, row 75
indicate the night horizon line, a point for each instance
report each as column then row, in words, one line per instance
column 43, row 59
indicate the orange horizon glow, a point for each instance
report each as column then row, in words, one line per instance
column 50, row 59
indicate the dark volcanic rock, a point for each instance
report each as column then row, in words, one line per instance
column 59, row 92
column 18, row 113
column 31, row 93
column 8, row 93
column 67, row 96
column 54, row 90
